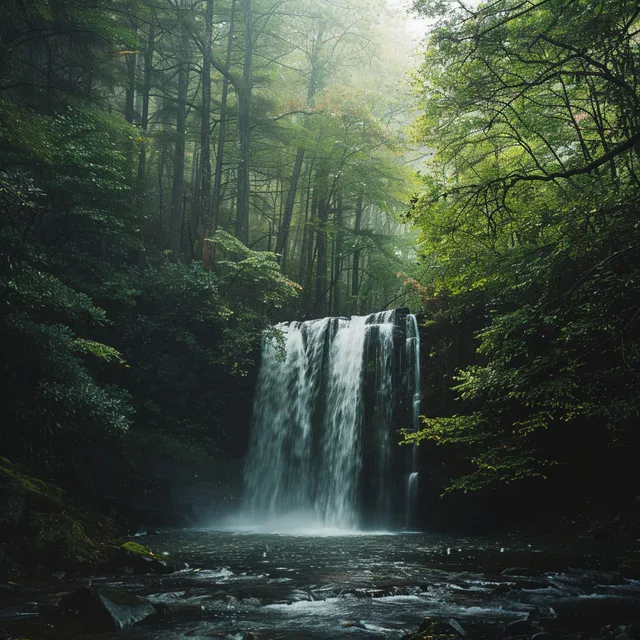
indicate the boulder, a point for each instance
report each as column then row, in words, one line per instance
column 438, row 630
column 524, row 572
column 630, row 563
column 105, row 608
column 591, row 614
column 136, row 558
column 521, row 628
column 541, row 615
column 46, row 530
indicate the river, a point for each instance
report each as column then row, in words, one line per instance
column 285, row 587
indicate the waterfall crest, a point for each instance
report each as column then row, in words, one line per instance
column 331, row 394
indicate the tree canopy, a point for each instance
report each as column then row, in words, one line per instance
column 530, row 110
column 176, row 176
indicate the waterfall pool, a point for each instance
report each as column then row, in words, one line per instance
column 285, row 587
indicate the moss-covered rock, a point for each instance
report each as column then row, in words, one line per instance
column 141, row 559
column 42, row 530
column 39, row 528
column 21, row 494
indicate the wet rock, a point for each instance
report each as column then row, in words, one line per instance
column 144, row 532
column 438, row 630
column 542, row 635
column 107, row 608
column 300, row 595
column 132, row 557
column 354, row 624
column 609, row 529
column 523, row 572
column 541, row 615
column 533, row 584
column 252, row 602
column 591, row 613
column 502, row 588
column 225, row 635
column 457, row 627
column 522, row 628
column 45, row 529
column 630, row 564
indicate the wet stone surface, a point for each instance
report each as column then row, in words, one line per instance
column 268, row 587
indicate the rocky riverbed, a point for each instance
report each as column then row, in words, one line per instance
column 242, row 585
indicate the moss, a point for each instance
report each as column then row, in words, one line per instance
column 11, row 473
column 21, row 495
column 64, row 537
column 42, row 529
column 139, row 549
column 147, row 561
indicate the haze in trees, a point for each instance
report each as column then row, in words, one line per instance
column 175, row 177
column 182, row 181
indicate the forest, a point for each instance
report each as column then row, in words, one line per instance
column 175, row 177
column 370, row 260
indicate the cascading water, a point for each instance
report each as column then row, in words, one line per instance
column 412, row 497
column 413, row 363
column 323, row 444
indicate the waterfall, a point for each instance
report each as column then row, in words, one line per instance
column 329, row 400
column 413, row 365
column 412, row 497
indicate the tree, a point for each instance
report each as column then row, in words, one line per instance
column 532, row 115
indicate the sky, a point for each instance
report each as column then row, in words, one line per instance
column 415, row 26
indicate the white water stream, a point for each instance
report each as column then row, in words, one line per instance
column 325, row 418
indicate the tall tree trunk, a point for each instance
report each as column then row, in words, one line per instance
column 177, row 196
column 141, row 187
column 244, row 127
column 213, row 220
column 161, row 163
column 306, row 230
column 222, row 131
column 312, row 88
column 202, row 209
column 194, row 202
column 337, row 256
column 295, row 249
column 130, row 91
column 320, row 305
column 308, row 260
column 355, row 273
column 283, row 230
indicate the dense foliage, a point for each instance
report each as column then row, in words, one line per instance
column 168, row 172
column 532, row 111
column 176, row 175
